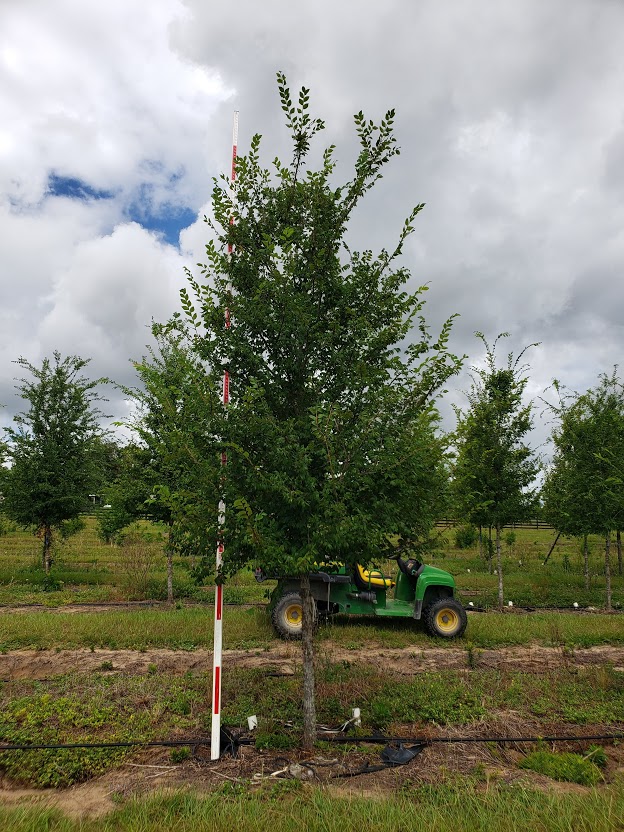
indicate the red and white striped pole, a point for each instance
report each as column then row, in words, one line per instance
column 215, row 737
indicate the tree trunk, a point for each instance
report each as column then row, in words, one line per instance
column 619, row 552
column 170, row 564
column 499, row 566
column 480, row 542
column 586, row 561
column 47, row 548
column 307, row 650
column 608, row 569
column 489, row 552
column 169, row 575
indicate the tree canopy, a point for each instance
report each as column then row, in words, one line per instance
column 495, row 468
column 582, row 490
column 331, row 434
column 54, row 447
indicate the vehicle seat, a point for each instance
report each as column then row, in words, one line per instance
column 365, row 578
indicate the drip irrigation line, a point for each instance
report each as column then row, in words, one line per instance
column 378, row 740
column 197, row 741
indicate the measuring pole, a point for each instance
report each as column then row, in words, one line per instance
column 215, row 737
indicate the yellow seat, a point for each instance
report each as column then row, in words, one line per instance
column 374, row 577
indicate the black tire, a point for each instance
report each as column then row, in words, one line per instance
column 287, row 616
column 445, row 618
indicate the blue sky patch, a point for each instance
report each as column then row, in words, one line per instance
column 162, row 217
column 74, row 188
column 165, row 219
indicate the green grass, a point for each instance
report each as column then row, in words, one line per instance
column 485, row 630
column 110, row 707
column 565, row 766
column 461, row 807
column 188, row 628
column 88, row 569
column 179, row 629
column 528, row 582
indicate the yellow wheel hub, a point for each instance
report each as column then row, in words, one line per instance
column 294, row 615
column 447, row 620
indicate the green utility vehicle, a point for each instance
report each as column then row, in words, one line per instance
column 419, row 592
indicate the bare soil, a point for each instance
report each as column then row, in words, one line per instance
column 285, row 657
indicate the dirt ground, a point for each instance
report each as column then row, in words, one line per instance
column 284, row 658
column 343, row 770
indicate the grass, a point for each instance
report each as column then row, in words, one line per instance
column 567, row 767
column 188, row 628
column 528, row 582
column 112, row 707
column 86, row 569
column 461, row 806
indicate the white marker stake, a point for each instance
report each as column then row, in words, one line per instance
column 215, row 737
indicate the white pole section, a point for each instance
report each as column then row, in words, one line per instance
column 215, row 737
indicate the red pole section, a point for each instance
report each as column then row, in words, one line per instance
column 215, row 737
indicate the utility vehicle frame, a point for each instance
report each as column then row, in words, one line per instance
column 422, row 593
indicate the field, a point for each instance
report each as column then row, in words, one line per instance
column 94, row 654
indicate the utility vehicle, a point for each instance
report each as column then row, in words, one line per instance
column 419, row 592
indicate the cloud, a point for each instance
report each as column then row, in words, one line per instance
column 509, row 115
column 105, row 156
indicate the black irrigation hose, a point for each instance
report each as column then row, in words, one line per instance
column 501, row 740
column 128, row 744
column 378, row 740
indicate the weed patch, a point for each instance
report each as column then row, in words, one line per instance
column 565, row 766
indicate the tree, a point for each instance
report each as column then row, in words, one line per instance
column 172, row 472
column 126, row 492
column 582, row 491
column 53, row 448
column 331, row 437
column 494, row 468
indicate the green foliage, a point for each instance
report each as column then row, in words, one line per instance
column 565, row 766
column 494, row 468
column 331, row 437
column 53, row 448
column 466, row 537
column 597, row 755
column 68, row 528
column 510, row 539
column 180, row 754
column 582, row 493
column 130, row 495
column 278, row 740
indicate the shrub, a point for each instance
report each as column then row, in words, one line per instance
column 137, row 562
column 70, row 527
column 465, row 537
column 180, row 754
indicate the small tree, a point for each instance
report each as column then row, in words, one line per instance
column 331, row 443
column 582, row 491
column 53, row 448
column 127, row 493
column 494, row 468
column 174, row 470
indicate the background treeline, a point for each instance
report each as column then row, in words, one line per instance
column 59, row 463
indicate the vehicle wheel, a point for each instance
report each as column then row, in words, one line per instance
column 445, row 618
column 287, row 615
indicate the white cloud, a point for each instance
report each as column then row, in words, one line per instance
column 510, row 117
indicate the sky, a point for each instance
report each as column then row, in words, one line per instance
column 115, row 116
